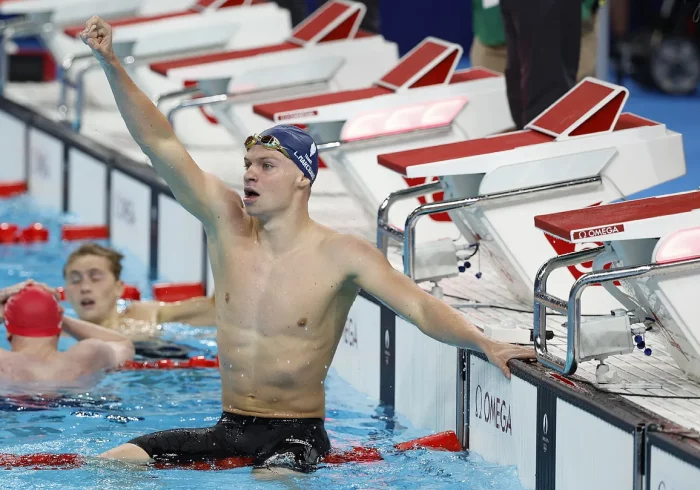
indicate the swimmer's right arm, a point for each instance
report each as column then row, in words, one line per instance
column 204, row 195
column 119, row 347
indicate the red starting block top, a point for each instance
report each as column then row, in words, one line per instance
column 202, row 5
column 270, row 110
column 592, row 106
column 432, row 62
column 607, row 218
column 165, row 66
column 402, row 160
column 334, row 21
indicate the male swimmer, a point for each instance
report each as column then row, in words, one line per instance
column 34, row 321
column 93, row 285
column 284, row 287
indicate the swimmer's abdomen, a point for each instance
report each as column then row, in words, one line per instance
column 274, row 375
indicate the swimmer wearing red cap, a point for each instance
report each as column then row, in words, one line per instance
column 93, row 285
column 34, row 321
column 284, row 287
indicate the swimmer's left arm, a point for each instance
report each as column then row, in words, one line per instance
column 198, row 312
column 371, row 271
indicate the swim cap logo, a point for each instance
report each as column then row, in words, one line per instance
column 313, row 149
column 305, row 161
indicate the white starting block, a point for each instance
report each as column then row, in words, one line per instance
column 421, row 100
column 327, row 51
column 63, row 12
column 654, row 246
column 209, row 26
column 581, row 151
column 45, row 18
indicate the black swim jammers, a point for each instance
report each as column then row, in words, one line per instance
column 296, row 443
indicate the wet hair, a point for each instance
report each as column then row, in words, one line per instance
column 113, row 257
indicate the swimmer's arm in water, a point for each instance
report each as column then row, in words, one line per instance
column 204, row 195
column 99, row 341
column 371, row 271
column 198, row 312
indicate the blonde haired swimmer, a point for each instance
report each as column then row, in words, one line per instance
column 93, row 285
column 284, row 287
column 34, row 321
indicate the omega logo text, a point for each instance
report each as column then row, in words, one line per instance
column 600, row 231
column 493, row 410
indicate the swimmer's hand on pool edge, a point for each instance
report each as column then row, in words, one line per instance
column 373, row 273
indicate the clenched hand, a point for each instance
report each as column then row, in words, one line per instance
column 98, row 37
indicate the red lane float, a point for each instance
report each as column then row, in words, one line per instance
column 192, row 362
column 130, row 292
column 34, row 233
column 10, row 189
column 444, row 441
column 172, row 292
column 84, row 232
column 8, row 233
column 11, row 233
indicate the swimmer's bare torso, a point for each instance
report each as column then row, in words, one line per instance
column 70, row 368
column 279, row 321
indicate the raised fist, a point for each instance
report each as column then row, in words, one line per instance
column 98, row 36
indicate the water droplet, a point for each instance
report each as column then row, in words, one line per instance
column 287, row 361
column 241, row 375
column 326, row 367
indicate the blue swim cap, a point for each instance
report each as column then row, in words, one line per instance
column 299, row 145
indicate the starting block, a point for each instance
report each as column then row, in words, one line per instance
column 328, row 51
column 581, row 151
column 65, row 12
column 44, row 18
column 654, row 246
column 209, row 26
column 422, row 99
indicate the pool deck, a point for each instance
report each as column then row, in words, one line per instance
column 678, row 399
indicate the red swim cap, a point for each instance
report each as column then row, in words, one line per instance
column 33, row 312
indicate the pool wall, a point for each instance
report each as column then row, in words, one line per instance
column 561, row 434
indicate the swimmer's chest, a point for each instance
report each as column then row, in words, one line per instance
column 294, row 290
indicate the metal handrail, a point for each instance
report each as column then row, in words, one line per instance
column 384, row 228
column 409, row 233
column 572, row 307
column 231, row 98
column 158, row 99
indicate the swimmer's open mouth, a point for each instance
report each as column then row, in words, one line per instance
column 250, row 194
column 86, row 303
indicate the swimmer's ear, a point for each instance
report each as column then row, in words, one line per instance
column 303, row 182
column 120, row 288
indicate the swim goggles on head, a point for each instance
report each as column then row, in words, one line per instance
column 268, row 141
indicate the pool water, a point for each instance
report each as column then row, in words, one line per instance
column 123, row 405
